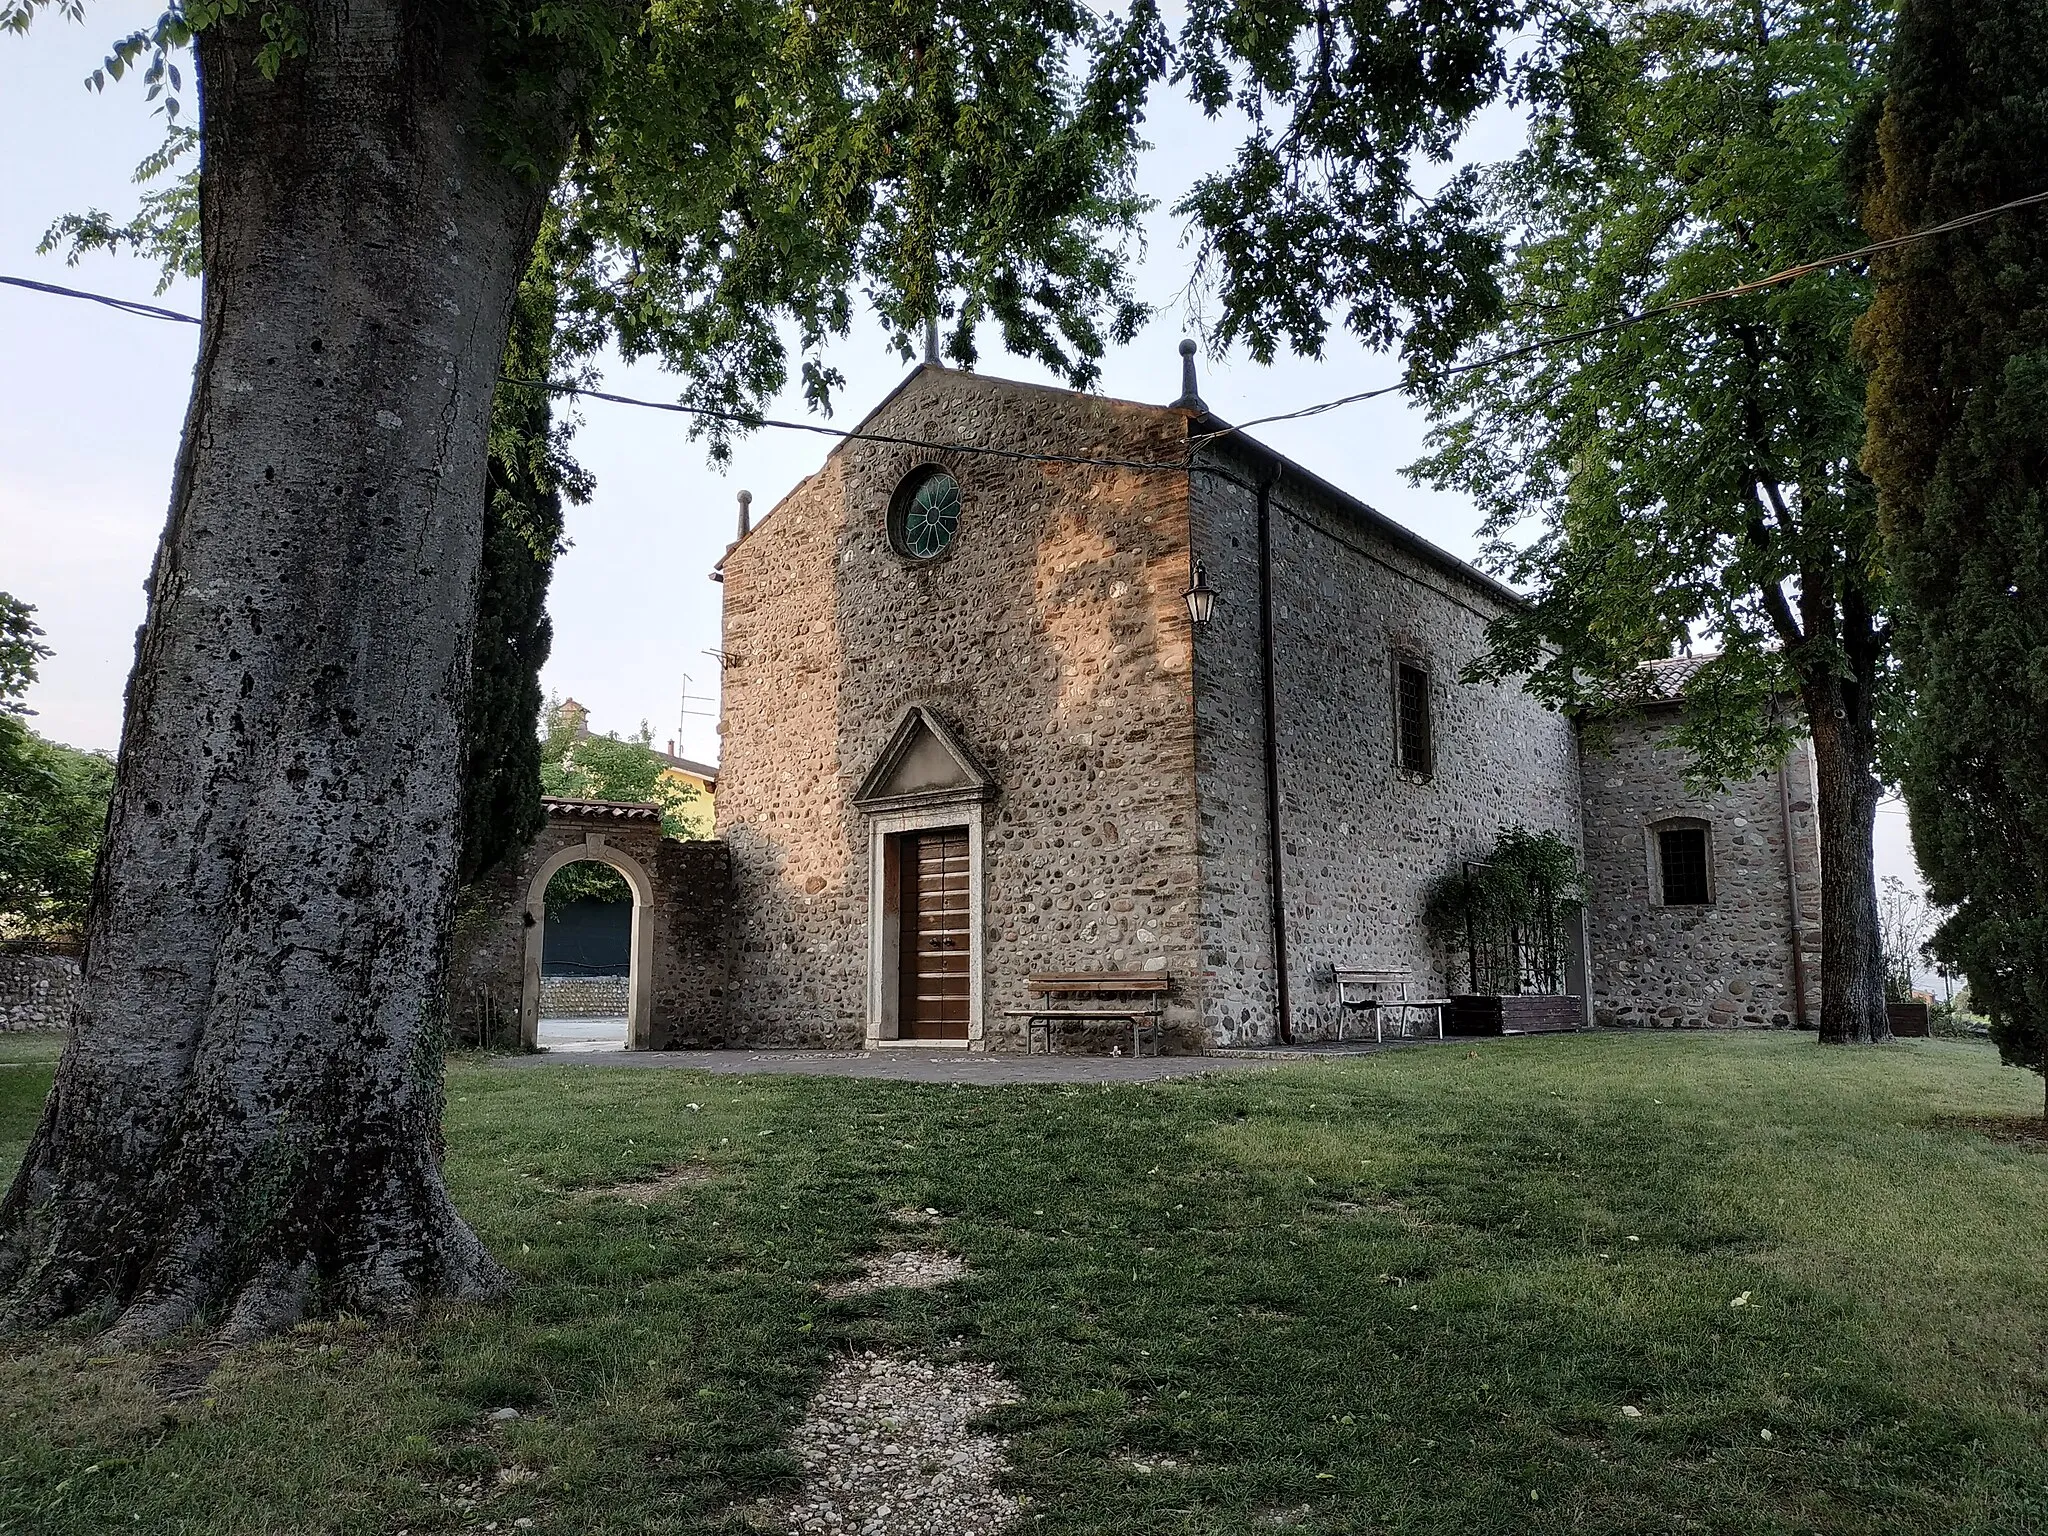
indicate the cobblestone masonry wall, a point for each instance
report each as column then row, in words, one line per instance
column 37, row 991
column 584, row 997
column 1053, row 638
column 1362, row 841
column 1723, row 965
column 692, row 916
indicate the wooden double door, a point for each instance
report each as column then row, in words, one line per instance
column 937, row 936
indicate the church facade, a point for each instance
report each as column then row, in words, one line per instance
column 973, row 733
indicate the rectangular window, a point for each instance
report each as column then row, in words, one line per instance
column 1682, row 857
column 1411, row 718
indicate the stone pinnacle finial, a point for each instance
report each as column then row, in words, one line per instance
column 746, row 512
column 1190, row 399
column 931, row 341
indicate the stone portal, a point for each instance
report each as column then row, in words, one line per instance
column 677, row 992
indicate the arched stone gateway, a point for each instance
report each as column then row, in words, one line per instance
column 681, row 913
column 596, row 847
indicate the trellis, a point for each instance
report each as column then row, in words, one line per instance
column 1505, row 920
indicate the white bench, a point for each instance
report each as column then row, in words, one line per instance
column 1366, row 991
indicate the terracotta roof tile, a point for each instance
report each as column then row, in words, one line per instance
column 602, row 810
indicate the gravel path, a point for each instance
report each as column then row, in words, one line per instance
column 886, row 1448
column 916, row 1269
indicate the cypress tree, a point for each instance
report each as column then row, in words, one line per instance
column 530, row 476
column 1956, row 342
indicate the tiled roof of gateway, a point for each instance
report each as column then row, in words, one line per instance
column 607, row 810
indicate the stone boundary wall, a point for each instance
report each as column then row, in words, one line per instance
column 37, row 991
column 584, row 997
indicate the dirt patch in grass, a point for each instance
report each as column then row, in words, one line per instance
column 886, row 1446
column 913, row 1269
column 655, row 1187
column 183, row 1376
column 2029, row 1131
column 1283, row 1519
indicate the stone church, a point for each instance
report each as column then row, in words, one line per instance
column 1024, row 682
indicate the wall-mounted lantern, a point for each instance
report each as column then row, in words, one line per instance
column 1201, row 596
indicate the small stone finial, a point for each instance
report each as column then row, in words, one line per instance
column 1190, row 399
column 931, row 341
column 746, row 512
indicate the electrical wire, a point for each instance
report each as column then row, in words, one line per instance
column 126, row 306
column 1183, row 466
column 746, row 419
column 848, row 435
column 1654, row 312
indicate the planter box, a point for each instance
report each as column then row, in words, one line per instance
column 1470, row 1015
column 1909, row 1020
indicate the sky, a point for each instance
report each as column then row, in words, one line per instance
column 91, row 402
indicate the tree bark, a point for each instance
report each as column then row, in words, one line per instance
column 1852, row 1003
column 245, row 1123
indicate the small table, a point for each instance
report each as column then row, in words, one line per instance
column 1362, row 991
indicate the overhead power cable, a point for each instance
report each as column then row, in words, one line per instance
column 1637, row 317
column 1182, row 466
column 846, row 435
column 126, row 306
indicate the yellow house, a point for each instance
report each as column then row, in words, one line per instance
column 698, row 782
column 687, row 787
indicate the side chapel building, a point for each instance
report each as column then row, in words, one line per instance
column 973, row 734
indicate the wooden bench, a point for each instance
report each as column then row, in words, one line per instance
column 1134, row 996
column 1363, row 991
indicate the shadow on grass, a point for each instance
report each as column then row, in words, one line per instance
column 1416, row 1293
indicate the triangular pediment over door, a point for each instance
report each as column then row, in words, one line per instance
column 923, row 763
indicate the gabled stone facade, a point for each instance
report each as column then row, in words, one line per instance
column 1052, row 640
column 1127, row 828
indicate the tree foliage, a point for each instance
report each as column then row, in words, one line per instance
column 53, row 800
column 740, row 172
column 578, row 765
column 21, row 648
column 1327, row 206
column 531, row 476
column 1682, row 473
column 1692, row 479
column 163, row 229
column 1957, row 345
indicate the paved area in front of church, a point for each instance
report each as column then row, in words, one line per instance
column 583, row 1035
column 968, row 1068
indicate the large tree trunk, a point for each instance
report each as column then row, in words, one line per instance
column 1852, row 1005
column 246, row 1120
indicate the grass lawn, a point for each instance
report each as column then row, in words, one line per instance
column 1410, row 1293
